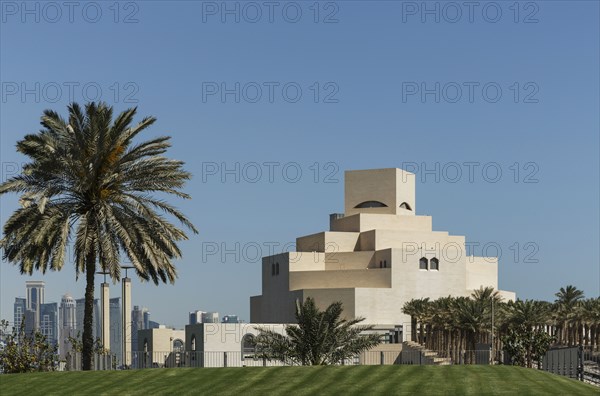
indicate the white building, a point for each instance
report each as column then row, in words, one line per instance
column 377, row 255
column 160, row 347
column 225, row 344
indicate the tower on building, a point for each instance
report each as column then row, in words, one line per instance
column 67, row 324
column 35, row 299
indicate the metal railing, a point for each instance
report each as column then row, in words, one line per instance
column 428, row 357
column 555, row 363
column 156, row 359
column 172, row 359
column 74, row 362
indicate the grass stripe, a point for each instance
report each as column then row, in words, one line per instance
column 321, row 380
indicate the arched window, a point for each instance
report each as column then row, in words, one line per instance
column 434, row 264
column 193, row 342
column 380, row 264
column 370, row 204
column 384, row 263
column 272, row 269
column 248, row 344
column 178, row 345
column 276, row 268
column 423, row 263
column 406, row 206
column 146, row 361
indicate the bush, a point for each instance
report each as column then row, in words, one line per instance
column 25, row 353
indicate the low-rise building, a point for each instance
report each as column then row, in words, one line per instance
column 160, row 347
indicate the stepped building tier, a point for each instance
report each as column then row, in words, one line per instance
column 376, row 256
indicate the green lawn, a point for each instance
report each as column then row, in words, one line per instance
column 360, row 380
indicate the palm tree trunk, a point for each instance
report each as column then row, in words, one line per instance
column 88, row 337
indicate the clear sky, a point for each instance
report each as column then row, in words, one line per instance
column 260, row 91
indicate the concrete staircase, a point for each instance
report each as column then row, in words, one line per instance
column 413, row 353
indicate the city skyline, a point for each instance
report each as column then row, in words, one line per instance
column 74, row 319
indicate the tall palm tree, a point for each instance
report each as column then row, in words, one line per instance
column 87, row 183
column 592, row 308
column 567, row 301
column 418, row 311
column 529, row 313
column 319, row 338
column 410, row 308
column 473, row 318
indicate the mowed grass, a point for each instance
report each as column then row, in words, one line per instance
column 322, row 380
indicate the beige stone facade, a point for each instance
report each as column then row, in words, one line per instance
column 376, row 256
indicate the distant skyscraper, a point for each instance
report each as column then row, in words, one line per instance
column 49, row 322
column 35, row 294
column 210, row 317
column 116, row 331
column 140, row 318
column 230, row 319
column 35, row 299
column 31, row 322
column 146, row 319
column 19, row 312
column 80, row 310
column 68, row 323
column 196, row 317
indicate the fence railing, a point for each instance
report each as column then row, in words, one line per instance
column 74, row 362
column 572, row 362
column 427, row 357
column 172, row 359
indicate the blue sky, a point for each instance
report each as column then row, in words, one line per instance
column 343, row 85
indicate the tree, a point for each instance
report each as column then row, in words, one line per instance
column 590, row 312
column 567, row 303
column 418, row 311
column 451, row 325
column 86, row 180
column 526, row 345
column 529, row 313
column 24, row 353
column 473, row 318
column 319, row 338
column 526, row 340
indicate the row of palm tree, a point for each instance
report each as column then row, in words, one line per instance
column 450, row 325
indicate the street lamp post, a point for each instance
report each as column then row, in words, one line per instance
column 126, row 318
column 105, row 304
column 492, row 348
